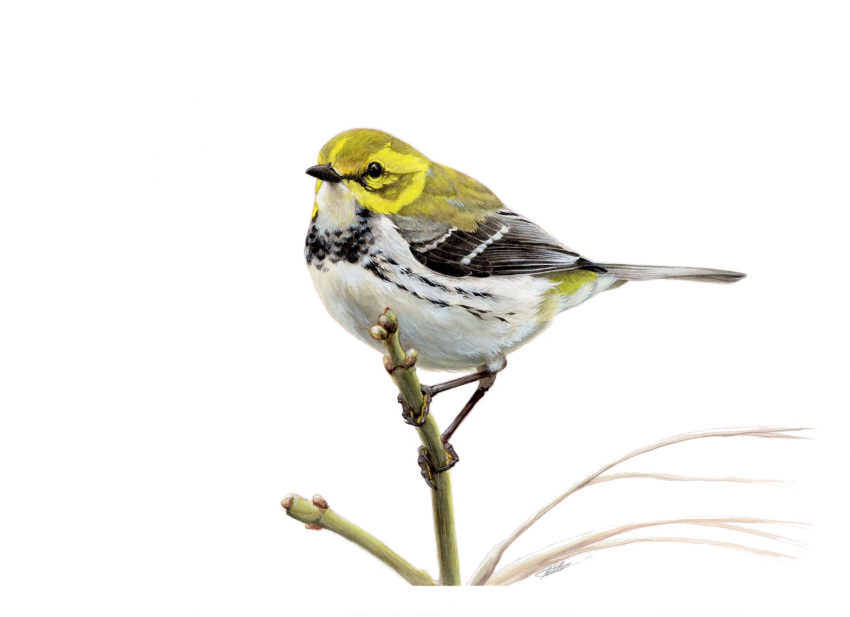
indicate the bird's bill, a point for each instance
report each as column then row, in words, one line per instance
column 324, row 172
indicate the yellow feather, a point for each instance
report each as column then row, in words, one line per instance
column 567, row 284
column 411, row 184
column 340, row 142
column 452, row 197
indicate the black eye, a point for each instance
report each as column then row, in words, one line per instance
column 374, row 170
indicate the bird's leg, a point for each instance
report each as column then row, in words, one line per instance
column 429, row 392
column 484, row 384
column 485, row 379
column 460, row 381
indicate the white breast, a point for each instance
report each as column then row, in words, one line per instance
column 456, row 324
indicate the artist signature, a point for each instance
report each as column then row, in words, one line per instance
column 555, row 568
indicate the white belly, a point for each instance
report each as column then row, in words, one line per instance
column 455, row 324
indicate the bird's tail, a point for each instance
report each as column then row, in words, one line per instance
column 648, row 273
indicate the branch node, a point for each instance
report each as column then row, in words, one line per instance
column 378, row 333
column 410, row 358
column 388, row 321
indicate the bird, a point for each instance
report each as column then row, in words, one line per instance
column 470, row 279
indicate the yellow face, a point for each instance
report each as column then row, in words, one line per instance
column 383, row 173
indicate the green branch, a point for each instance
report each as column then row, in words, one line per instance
column 316, row 514
column 401, row 366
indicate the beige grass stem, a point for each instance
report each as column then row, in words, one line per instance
column 487, row 567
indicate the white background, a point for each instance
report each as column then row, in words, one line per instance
column 169, row 374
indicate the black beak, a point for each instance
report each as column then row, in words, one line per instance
column 324, row 172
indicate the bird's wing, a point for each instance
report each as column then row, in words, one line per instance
column 459, row 227
column 503, row 243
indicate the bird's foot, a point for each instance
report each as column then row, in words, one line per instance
column 430, row 469
column 412, row 416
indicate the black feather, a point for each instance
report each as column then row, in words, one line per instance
column 503, row 244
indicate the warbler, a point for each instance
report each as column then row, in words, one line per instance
column 469, row 279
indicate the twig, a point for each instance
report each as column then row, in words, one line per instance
column 316, row 514
column 527, row 566
column 488, row 565
column 401, row 366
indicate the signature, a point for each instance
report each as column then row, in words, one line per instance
column 554, row 569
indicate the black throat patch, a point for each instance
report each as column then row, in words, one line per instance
column 337, row 245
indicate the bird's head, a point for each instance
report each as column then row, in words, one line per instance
column 382, row 173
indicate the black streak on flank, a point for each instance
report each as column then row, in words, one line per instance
column 474, row 311
column 372, row 267
column 375, row 269
column 477, row 294
column 405, row 271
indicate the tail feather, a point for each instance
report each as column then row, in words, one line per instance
column 647, row 273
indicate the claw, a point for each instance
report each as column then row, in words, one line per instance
column 408, row 414
column 451, row 456
column 427, row 467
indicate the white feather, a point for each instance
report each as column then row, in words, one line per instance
column 456, row 324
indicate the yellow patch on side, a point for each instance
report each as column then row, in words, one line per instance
column 315, row 204
column 568, row 283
